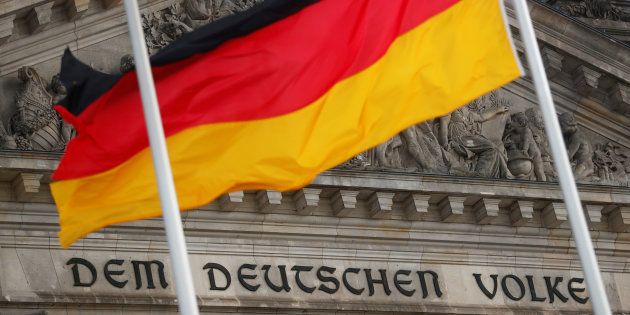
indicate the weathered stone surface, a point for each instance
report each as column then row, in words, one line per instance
column 6, row 27
column 594, row 212
column 586, row 80
column 521, row 212
column 380, row 204
column 451, row 212
column 486, row 210
column 76, row 8
column 552, row 61
column 283, row 238
column 230, row 200
column 39, row 17
column 343, row 201
column 267, row 199
column 306, row 200
column 86, row 277
column 596, row 9
column 415, row 205
column 451, row 208
column 500, row 146
column 619, row 219
column 26, row 186
column 620, row 98
column 554, row 214
column 110, row 3
column 494, row 123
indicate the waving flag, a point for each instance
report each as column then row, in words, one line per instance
column 270, row 97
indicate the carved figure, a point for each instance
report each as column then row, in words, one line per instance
column 35, row 125
column 493, row 128
column 58, row 91
column 359, row 161
column 126, row 63
column 594, row 9
column 415, row 148
column 423, row 147
column 201, row 11
column 578, row 147
column 523, row 152
column 197, row 10
column 466, row 141
column 537, row 126
column 162, row 27
column 7, row 141
column 389, row 154
column 612, row 163
column 463, row 143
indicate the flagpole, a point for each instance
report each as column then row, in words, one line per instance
column 577, row 220
column 166, row 187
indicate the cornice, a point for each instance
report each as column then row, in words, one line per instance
column 369, row 210
column 317, row 237
column 588, row 113
column 306, row 226
column 579, row 40
column 97, row 25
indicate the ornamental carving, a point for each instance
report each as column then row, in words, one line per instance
column 579, row 148
column 164, row 26
column 592, row 9
column 612, row 164
column 35, row 125
column 492, row 138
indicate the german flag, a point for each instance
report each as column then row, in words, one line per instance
column 270, row 97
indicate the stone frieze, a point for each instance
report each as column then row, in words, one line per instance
column 492, row 137
column 593, row 9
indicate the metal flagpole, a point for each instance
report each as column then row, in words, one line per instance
column 166, row 187
column 579, row 227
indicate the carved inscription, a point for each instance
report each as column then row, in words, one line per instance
column 113, row 271
column 515, row 288
column 252, row 277
column 286, row 279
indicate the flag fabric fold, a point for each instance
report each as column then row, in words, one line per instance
column 269, row 98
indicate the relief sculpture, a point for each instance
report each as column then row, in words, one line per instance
column 593, row 9
column 524, row 156
column 35, row 125
column 489, row 137
column 455, row 144
column 537, row 126
column 578, row 147
column 612, row 164
column 164, row 26
column 471, row 151
column 414, row 149
column 492, row 138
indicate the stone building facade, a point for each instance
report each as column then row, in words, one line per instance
column 458, row 215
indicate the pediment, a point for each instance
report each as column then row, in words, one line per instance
column 501, row 135
column 589, row 75
column 609, row 17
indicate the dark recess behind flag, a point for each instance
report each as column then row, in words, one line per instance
column 85, row 84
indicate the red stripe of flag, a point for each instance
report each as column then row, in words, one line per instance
column 273, row 71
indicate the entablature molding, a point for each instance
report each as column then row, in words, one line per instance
column 374, row 204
